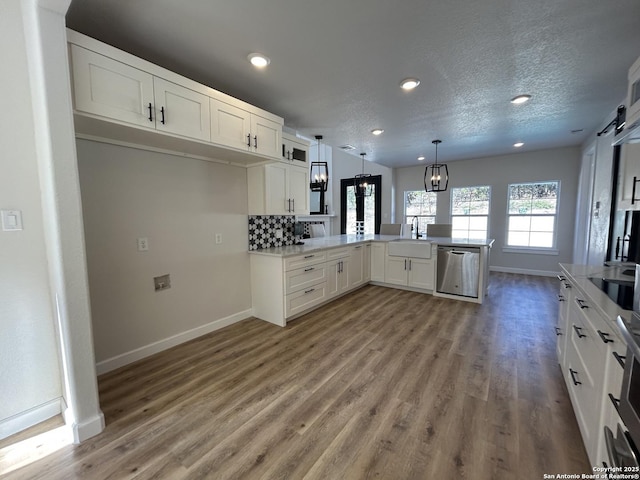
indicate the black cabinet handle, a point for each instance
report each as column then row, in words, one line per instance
column 150, row 111
column 579, row 332
column 560, row 298
column 409, row 264
column 615, row 401
column 405, row 263
column 309, row 269
column 619, row 358
column 633, row 190
column 309, row 256
column 249, row 140
column 567, row 285
column 255, row 141
column 581, row 303
column 293, row 202
column 605, row 337
column 309, row 291
column 162, row 113
column 558, row 332
column 573, row 377
column 562, row 278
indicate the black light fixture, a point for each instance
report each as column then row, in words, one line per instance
column 436, row 175
column 319, row 174
column 361, row 182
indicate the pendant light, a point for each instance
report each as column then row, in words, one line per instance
column 436, row 175
column 319, row 174
column 362, row 182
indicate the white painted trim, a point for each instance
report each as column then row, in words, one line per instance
column 161, row 345
column 524, row 271
column 31, row 417
column 87, row 429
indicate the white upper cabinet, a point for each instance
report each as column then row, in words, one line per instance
column 278, row 189
column 294, row 149
column 109, row 88
column 180, row 110
column 114, row 90
column 629, row 177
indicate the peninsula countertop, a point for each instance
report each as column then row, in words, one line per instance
column 333, row 241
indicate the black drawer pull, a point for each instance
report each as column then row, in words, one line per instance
column 560, row 298
column 581, row 303
column 567, row 285
column 309, row 291
column 619, row 358
column 309, row 269
column 579, row 332
column 615, row 402
column 150, row 110
column 605, row 337
column 558, row 332
column 309, row 256
column 573, row 377
column 162, row 113
column 249, row 140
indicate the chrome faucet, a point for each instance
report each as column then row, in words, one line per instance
column 414, row 226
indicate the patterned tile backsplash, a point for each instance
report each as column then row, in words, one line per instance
column 262, row 231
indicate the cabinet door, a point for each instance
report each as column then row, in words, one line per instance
column 294, row 150
column 396, row 270
column 276, row 189
column 181, row 111
column 230, row 125
column 366, row 260
column 266, row 136
column 421, row 273
column 106, row 87
column 299, row 190
column 629, row 168
column 333, row 281
column 378, row 256
column 356, row 266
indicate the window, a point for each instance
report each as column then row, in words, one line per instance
column 533, row 208
column 470, row 212
column 421, row 204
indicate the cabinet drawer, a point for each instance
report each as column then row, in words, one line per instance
column 299, row 261
column 304, row 278
column 300, row 301
column 338, row 253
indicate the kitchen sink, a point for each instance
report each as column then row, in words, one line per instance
column 405, row 247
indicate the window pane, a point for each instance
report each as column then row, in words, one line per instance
column 478, row 223
column 532, row 208
column 478, row 234
column 460, row 223
column 472, row 205
column 370, row 211
column 519, row 239
column 541, row 239
column 542, row 224
column 519, row 223
column 351, row 210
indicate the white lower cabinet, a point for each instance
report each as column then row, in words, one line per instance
column 338, row 281
column 410, row 272
column 590, row 368
column 562, row 329
column 356, row 266
column 378, row 257
column 366, row 260
column 303, row 300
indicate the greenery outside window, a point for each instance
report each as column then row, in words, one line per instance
column 420, row 204
column 533, row 211
column 470, row 212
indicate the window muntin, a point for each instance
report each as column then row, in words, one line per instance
column 421, row 204
column 470, row 212
column 532, row 210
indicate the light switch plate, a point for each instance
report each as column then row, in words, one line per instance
column 143, row 244
column 11, row 220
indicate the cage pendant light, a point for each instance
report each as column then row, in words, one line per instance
column 362, row 182
column 436, row 175
column 319, row 173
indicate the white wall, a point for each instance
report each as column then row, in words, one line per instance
column 29, row 366
column 344, row 165
column 179, row 204
column 499, row 172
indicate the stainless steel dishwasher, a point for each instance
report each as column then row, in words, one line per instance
column 458, row 271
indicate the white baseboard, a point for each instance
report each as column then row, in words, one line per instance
column 87, row 429
column 156, row 347
column 524, row 271
column 31, row 417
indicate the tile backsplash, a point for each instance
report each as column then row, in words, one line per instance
column 262, row 231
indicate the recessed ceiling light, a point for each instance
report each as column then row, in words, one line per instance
column 518, row 144
column 520, row 99
column 409, row 83
column 377, row 131
column 421, row 157
column 258, row 60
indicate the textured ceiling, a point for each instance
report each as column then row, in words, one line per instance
column 336, row 65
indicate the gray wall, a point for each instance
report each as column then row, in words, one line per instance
column 179, row 204
column 556, row 164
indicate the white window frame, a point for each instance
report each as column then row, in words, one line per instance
column 553, row 250
column 487, row 215
column 409, row 218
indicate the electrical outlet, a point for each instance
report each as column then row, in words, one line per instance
column 279, row 233
column 143, row 244
column 162, row 282
column 218, row 238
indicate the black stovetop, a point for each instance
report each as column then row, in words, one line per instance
column 620, row 291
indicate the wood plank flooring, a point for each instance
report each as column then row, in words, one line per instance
column 382, row 383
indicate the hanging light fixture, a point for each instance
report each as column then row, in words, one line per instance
column 436, row 175
column 319, row 174
column 362, row 182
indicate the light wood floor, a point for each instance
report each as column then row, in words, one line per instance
column 382, row 383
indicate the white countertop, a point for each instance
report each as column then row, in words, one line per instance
column 580, row 274
column 312, row 244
